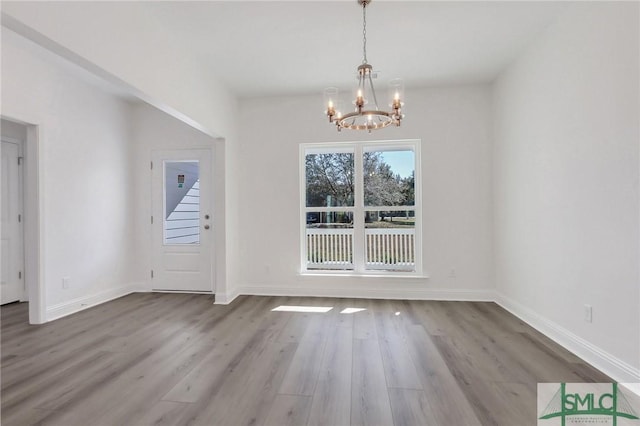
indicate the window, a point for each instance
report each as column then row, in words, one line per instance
column 360, row 212
column 181, row 223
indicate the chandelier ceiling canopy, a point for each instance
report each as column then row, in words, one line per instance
column 364, row 112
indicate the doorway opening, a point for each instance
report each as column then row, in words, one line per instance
column 12, row 284
column 21, row 215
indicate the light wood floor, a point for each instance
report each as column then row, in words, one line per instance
column 177, row 359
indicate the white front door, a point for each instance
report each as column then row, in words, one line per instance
column 12, row 281
column 182, row 223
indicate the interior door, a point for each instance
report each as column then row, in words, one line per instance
column 12, row 249
column 182, row 221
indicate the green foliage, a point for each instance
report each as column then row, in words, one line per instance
column 330, row 181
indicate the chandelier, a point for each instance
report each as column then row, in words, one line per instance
column 366, row 114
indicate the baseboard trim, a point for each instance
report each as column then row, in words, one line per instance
column 359, row 293
column 612, row 366
column 69, row 307
column 225, row 298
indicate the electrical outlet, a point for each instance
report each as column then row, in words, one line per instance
column 588, row 313
column 65, row 282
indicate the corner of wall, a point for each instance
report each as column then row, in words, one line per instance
column 69, row 307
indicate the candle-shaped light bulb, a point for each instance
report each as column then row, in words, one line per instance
column 359, row 98
column 396, row 93
column 330, row 99
column 396, row 101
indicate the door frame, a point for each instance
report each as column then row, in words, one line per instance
column 214, row 212
column 24, row 294
column 33, row 188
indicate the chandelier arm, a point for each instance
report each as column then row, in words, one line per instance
column 373, row 91
column 359, row 102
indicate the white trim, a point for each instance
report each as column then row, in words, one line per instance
column 34, row 212
column 631, row 387
column 466, row 295
column 226, row 298
column 358, row 209
column 81, row 303
column 371, row 273
column 614, row 367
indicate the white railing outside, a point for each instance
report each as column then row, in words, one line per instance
column 390, row 248
column 329, row 248
column 385, row 248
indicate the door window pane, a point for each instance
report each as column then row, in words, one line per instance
column 329, row 238
column 181, row 202
column 388, row 178
column 329, row 179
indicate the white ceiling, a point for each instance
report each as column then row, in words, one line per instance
column 264, row 48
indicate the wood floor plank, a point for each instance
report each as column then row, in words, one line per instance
column 295, row 327
column 54, row 388
column 163, row 413
column 438, row 382
column 369, row 395
column 236, row 334
column 364, row 325
column 399, row 369
column 25, row 417
column 302, row 375
column 179, row 359
column 289, row 410
column 512, row 403
column 146, row 381
column 481, row 360
column 473, row 370
column 251, row 385
column 332, row 397
column 411, row 408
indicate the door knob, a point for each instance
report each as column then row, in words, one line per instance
column 206, row 227
column 206, row 216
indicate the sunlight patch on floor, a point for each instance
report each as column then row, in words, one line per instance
column 352, row 310
column 287, row 308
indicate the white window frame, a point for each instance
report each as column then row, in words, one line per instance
column 358, row 148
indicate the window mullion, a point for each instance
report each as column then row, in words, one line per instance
column 358, row 217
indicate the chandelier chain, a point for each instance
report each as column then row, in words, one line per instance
column 364, row 33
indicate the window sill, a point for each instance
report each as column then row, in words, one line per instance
column 350, row 274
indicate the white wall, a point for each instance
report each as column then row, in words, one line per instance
column 155, row 130
column 566, row 184
column 141, row 56
column 124, row 41
column 13, row 130
column 454, row 125
column 85, row 170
